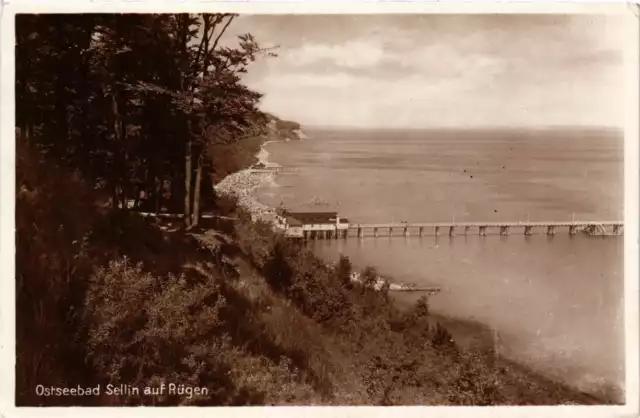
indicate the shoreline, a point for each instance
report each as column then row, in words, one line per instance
column 263, row 154
column 243, row 184
column 472, row 334
column 249, row 180
column 467, row 333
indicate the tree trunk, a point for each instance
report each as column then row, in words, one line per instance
column 114, row 195
column 197, row 187
column 157, row 185
column 136, row 195
column 117, row 174
column 188, row 164
column 196, row 192
column 187, row 184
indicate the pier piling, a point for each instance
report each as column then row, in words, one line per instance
column 452, row 231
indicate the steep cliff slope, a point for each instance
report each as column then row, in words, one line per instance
column 283, row 130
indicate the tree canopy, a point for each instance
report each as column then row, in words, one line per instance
column 136, row 102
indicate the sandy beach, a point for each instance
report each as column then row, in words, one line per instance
column 244, row 183
column 263, row 155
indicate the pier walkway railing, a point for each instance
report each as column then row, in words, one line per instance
column 504, row 228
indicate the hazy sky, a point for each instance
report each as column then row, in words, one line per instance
column 455, row 70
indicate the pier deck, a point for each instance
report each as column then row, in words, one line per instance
column 479, row 224
column 504, row 228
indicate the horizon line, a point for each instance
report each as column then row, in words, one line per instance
column 467, row 127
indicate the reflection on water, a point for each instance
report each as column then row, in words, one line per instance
column 555, row 301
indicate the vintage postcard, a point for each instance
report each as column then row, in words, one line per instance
column 268, row 205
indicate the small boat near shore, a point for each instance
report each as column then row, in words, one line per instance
column 396, row 287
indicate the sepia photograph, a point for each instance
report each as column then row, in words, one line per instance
column 383, row 209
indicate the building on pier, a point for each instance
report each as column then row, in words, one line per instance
column 313, row 224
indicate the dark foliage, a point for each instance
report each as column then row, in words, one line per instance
column 147, row 107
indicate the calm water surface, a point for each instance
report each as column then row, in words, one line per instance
column 556, row 303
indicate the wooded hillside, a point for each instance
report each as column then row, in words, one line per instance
column 138, row 102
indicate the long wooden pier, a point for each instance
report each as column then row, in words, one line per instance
column 502, row 228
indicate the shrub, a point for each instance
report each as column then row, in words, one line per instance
column 256, row 240
column 441, row 338
column 278, row 273
column 473, row 382
column 391, row 370
column 171, row 335
column 417, row 315
column 421, row 308
column 273, row 383
column 369, row 277
column 343, row 271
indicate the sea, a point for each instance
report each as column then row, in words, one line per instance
column 554, row 303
